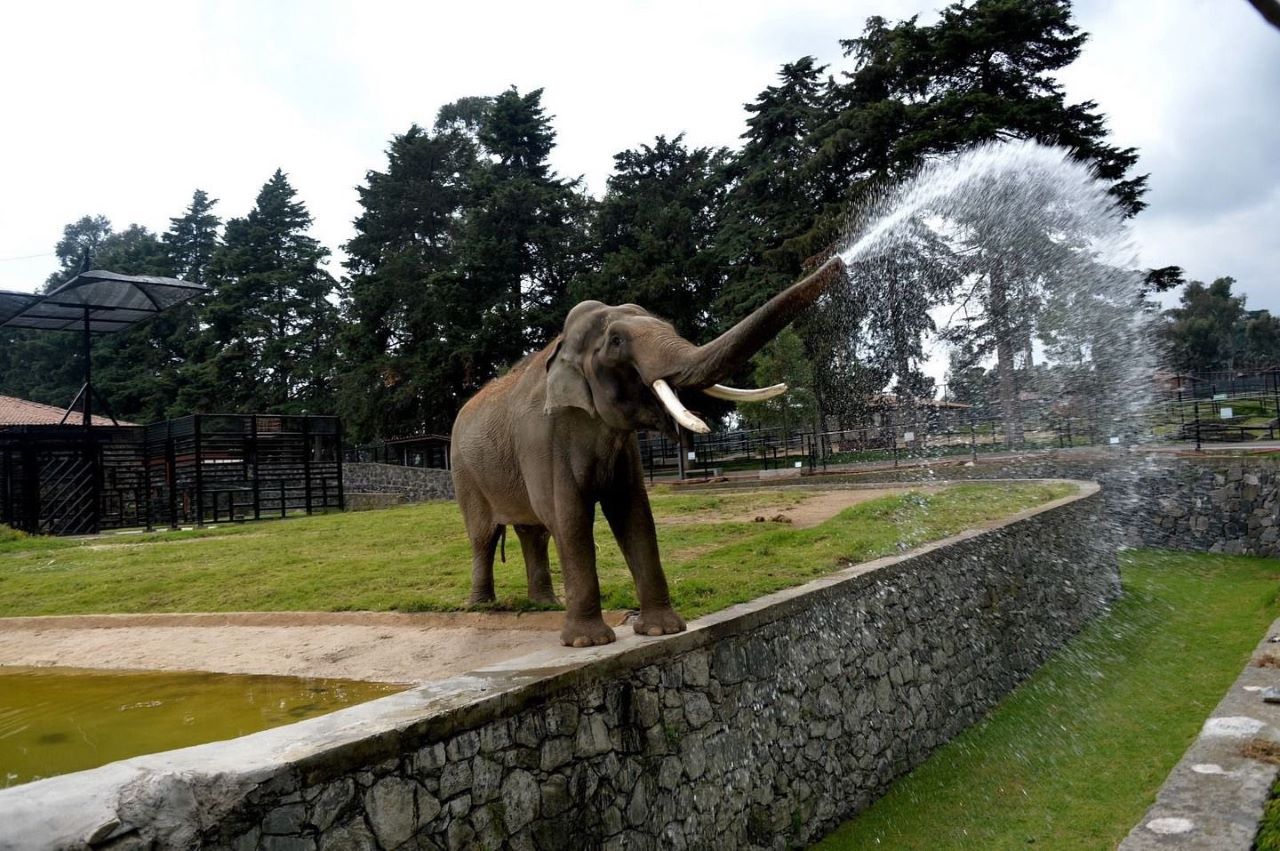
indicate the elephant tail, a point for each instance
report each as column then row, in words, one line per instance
column 502, row 543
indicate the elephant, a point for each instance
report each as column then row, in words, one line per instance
column 539, row 447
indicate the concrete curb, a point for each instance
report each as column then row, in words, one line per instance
column 1214, row 797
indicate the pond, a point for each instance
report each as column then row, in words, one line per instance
column 58, row 720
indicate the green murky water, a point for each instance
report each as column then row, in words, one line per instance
column 57, row 720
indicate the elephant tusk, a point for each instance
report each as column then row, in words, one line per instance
column 672, row 403
column 733, row 394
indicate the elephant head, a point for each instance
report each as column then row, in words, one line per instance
column 629, row 368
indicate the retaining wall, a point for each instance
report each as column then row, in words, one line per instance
column 413, row 484
column 1221, row 504
column 763, row 726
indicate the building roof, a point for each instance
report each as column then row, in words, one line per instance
column 15, row 411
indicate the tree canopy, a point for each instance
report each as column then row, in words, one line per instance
column 469, row 248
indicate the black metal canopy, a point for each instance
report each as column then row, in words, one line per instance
column 95, row 302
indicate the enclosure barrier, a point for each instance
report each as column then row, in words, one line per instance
column 766, row 724
column 203, row 468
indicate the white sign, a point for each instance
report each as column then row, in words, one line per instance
column 1114, row 441
column 1218, row 397
column 693, row 456
column 797, row 464
column 1224, row 413
column 908, row 436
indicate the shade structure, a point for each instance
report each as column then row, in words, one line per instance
column 95, row 302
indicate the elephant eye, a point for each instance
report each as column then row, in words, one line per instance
column 615, row 340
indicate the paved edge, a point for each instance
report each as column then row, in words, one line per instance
column 1214, row 797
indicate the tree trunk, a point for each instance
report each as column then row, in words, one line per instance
column 1009, row 409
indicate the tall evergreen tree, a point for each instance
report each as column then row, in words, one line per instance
column 523, row 239
column 192, row 238
column 984, row 72
column 770, row 207
column 269, row 325
column 655, row 230
column 406, row 309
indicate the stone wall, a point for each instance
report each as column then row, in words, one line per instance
column 413, row 484
column 764, row 726
column 1204, row 503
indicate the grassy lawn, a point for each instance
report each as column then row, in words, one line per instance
column 1073, row 758
column 416, row 558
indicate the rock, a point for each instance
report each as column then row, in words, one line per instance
column 352, row 835
column 697, row 709
column 593, row 737
column 521, row 799
column 285, row 820
column 330, row 802
column 390, row 807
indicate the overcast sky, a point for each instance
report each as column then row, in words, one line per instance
column 124, row 108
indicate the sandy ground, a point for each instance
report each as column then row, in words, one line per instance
column 827, row 504
column 375, row 646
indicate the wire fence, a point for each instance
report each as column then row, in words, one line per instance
column 1220, row 407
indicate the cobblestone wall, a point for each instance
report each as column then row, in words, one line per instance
column 762, row 727
column 415, row 484
column 1221, row 504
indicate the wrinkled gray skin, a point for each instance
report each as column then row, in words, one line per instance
column 541, row 446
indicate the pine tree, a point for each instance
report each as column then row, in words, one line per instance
column 770, row 208
column 984, row 72
column 192, row 238
column 523, row 240
column 655, row 230
column 407, row 317
column 269, row 324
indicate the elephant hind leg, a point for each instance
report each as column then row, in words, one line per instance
column 484, row 533
column 537, row 566
column 482, row 550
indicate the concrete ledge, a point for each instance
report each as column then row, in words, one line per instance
column 1214, row 797
column 764, row 725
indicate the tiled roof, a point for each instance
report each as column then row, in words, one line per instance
column 15, row 411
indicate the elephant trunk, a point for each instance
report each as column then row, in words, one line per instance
column 723, row 356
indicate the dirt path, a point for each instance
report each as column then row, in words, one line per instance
column 822, row 506
column 375, row 646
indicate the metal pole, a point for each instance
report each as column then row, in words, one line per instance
column 88, row 375
column 171, row 474
column 342, row 495
column 1197, row 414
column 146, row 479
column 199, row 473
column 306, row 463
column 253, row 458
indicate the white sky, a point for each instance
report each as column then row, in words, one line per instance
column 124, row 108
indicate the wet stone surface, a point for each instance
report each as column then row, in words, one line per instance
column 763, row 737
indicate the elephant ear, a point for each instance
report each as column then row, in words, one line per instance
column 566, row 383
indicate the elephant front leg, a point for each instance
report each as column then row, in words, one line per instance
column 631, row 519
column 584, row 624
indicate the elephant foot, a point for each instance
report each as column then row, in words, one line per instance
column 544, row 598
column 480, row 598
column 586, row 633
column 655, row 622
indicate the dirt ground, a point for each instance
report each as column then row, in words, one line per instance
column 374, row 646
column 824, row 505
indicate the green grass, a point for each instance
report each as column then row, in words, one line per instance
column 1072, row 759
column 1268, row 838
column 416, row 558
